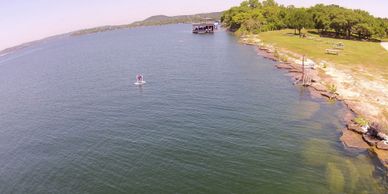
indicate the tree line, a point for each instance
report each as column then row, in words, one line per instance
column 254, row 16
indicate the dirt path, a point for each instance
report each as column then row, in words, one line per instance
column 385, row 45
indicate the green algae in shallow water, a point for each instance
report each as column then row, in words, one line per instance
column 343, row 174
column 316, row 152
column 358, row 174
column 368, row 182
column 352, row 176
column 305, row 109
column 314, row 125
column 335, row 178
column 301, row 175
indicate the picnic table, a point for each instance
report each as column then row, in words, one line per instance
column 332, row 51
column 339, row 45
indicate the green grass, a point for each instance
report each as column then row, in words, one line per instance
column 355, row 56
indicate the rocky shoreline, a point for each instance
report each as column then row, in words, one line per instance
column 356, row 136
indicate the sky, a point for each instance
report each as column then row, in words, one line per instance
column 26, row 20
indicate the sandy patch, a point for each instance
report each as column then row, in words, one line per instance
column 371, row 95
column 385, row 45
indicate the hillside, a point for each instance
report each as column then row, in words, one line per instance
column 152, row 21
column 162, row 19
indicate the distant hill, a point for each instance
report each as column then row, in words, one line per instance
column 157, row 18
column 153, row 21
column 162, row 19
column 27, row 44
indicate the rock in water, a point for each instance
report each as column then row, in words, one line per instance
column 382, row 145
column 353, row 140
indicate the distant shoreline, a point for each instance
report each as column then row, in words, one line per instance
column 10, row 50
column 151, row 21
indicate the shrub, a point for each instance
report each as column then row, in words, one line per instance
column 283, row 58
column 361, row 121
column 276, row 54
column 331, row 88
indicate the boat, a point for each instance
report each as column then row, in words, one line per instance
column 139, row 80
column 204, row 27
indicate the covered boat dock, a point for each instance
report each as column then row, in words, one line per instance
column 203, row 28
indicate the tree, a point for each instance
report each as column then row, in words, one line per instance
column 320, row 17
column 385, row 21
column 299, row 18
column 337, row 21
column 270, row 3
column 254, row 3
column 239, row 19
column 234, row 17
column 244, row 4
column 379, row 32
column 363, row 30
column 253, row 16
column 254, row 23
column 351, row 19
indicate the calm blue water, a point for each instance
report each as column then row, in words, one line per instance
column 213, row 118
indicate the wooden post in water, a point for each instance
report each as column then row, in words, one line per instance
column 303, row 77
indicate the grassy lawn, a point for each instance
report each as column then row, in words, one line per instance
column 356, row 55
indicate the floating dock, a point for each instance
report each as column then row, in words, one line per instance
column 203, row 28
column 207, row 26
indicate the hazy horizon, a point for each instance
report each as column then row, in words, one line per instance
column 25, row 21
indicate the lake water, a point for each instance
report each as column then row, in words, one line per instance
column 214, row 117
